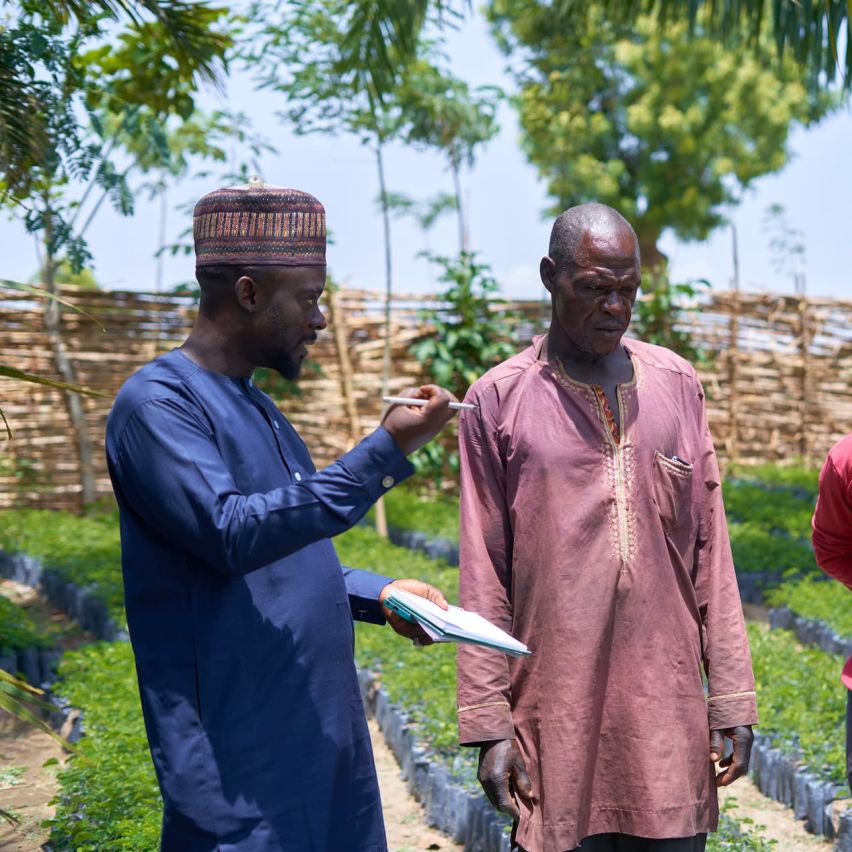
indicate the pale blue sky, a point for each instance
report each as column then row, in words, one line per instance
column 506, row 203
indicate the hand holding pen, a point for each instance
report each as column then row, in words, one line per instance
column 420, row 418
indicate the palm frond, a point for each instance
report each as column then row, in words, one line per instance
column 19, row 698
column 38, row 291
column 21, row 376
column 808, row 30
column 382, row 36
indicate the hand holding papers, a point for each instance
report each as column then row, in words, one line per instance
column 452, row 625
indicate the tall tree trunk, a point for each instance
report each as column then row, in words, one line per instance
column 464, row 240
column 653, row 260
column 381, row 517
column 65, row 368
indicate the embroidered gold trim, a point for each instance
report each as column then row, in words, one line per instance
column 731, row 695
column 485, row 704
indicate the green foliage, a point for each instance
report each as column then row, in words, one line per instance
column 70, row 73
column 659, row 312
column 109, row 797
column 666, row 125
column 771, row 510
column 810, row 32
column 817, row 598
column 733, row 836
column 83, row 550
column 801, row 701
column 470, row 332
column 422, row 680
column 795, row 477
column 65, row 274
column 769, row 519
column 757, row 550
column 17, row 630
column 444, row 113
column 409, row 507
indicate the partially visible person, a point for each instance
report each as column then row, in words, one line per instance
column 592, row 528
column 832, row 539
column 239, row 611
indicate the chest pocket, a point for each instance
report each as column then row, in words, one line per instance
column 672, row 491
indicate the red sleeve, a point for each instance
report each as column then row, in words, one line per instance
column 832, row 521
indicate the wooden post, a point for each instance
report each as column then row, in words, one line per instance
column 337, row 320
column 804, row 401
column 733, row 375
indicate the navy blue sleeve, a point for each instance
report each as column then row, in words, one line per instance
column 363, row 588
column 171, row 472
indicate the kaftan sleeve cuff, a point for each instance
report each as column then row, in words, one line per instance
column 363, row 588
column 732, row 710
column 490, row 720
column 378, row 463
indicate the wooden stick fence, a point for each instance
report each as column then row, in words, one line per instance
column 778, row 375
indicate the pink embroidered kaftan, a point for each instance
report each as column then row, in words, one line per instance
column 611, row 561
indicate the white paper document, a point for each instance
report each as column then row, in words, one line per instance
column 452, row 625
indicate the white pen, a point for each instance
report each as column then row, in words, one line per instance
column 408, row 400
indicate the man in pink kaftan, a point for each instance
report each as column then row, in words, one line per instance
column 592, row 529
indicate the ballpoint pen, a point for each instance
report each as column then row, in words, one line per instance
column 408, row 400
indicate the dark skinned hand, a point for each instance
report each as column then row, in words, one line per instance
column 411, row 427
column 503, row 775
column 735, row 765
column 397, row 622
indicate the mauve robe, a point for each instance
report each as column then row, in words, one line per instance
column 612, row 563
column 240, row 614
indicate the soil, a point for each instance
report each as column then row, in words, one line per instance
column 52, row 621
column 404, row 818
column 26, row 785
column 770, row 818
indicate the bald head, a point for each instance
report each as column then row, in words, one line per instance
column 574, row 229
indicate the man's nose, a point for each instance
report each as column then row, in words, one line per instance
column 318, row 319
column 613, row 303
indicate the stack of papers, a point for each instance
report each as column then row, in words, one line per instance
column 452, row 625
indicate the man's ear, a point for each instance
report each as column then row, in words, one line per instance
column 245, row 290
column 547, row 271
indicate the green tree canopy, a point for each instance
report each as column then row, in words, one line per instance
column 666, row 126
column 57, row 57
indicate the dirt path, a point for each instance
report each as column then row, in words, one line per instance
column 771, row 819
column 26, row 785
column 404, row 818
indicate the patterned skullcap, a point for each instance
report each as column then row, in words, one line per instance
column 259, row 225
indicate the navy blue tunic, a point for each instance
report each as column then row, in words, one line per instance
column 240, row 613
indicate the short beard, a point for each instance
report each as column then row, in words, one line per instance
column 288, row 368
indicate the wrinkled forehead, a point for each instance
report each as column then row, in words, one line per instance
column 608, row 245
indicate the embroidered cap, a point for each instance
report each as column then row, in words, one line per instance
column 259, row 225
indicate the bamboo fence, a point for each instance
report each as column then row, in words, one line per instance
column 777, row 371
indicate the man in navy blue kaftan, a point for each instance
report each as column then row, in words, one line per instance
column 239, row 611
